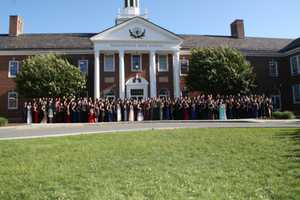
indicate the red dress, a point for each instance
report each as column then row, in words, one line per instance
column 92, row 118
column 185, row 113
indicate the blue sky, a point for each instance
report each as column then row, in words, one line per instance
column 263, row 18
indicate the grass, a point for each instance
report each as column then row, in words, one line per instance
column 202, row 164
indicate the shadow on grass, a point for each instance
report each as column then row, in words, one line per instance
column 293, row 154
column 294, row 137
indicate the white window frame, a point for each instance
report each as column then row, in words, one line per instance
column 8, row 99
column 111, row 97
column 10, row 65
column 141, row 62
column 105, row 69
column 273, row 63
column 167, row 62
column 279, row 97
column 297, row 65
column 87, row 62
column 188, row 64
column 293, row 91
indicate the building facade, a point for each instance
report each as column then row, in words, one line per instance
column 136, row 58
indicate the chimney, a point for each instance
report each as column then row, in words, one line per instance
column 237, row 29
column 15, row 26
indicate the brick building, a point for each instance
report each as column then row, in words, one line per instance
column 137, row 58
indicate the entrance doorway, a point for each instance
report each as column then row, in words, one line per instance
column 137, row 88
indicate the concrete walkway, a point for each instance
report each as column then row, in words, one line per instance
column 57, row 130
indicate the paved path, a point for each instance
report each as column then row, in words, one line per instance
column 57, row 130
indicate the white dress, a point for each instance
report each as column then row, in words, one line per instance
column 119, row 114
column 140, row 116
column 131, row 114
column 29, row 115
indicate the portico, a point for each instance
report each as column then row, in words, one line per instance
column 143, row 41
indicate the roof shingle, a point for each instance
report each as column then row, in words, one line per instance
column 46, row 41
column 81, row 41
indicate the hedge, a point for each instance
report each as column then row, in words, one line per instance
column 284, row 115
column 3, row 121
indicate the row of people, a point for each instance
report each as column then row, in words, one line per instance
column 204, row 107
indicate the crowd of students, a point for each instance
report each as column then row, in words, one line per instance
column 204, row 107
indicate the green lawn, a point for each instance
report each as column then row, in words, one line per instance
column 202, row 164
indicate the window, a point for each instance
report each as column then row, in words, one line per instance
column 163, row 93
column 83, row 66
column 136, row 93
column 273, row 68
column 12, row 101
column 163, row 63
column 13, row 69
column 276, row 100
column 136, row 61
column 295, row 65
column 184, row 69
column 109, row 63
column 296, row 93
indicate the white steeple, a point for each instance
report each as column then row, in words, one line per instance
column 131, row 9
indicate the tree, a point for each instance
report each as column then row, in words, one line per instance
column 220, row 71
column 49, row 76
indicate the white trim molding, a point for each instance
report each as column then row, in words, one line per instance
column 35, row 52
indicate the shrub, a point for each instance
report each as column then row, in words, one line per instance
column 284, row 115
column 3, row 121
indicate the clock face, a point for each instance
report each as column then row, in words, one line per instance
column 137, row 32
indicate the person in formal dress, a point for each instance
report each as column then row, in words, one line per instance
column 119, row 112
column 222, row 111
column 29, row 113
column 140, row 116
column 44, row 111
column 92, row 116
column 131, row 113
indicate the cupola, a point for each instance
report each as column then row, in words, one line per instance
column 131, row 9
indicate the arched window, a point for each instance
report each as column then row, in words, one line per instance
column 126, row 3
column 110, row 94
column 163, row 93
column 131, row 3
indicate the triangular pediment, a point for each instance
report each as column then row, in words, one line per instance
column 137, row 29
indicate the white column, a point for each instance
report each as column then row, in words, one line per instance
column 97, row 76
column 121, row 75
column 152, row 72
column 176, row 73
